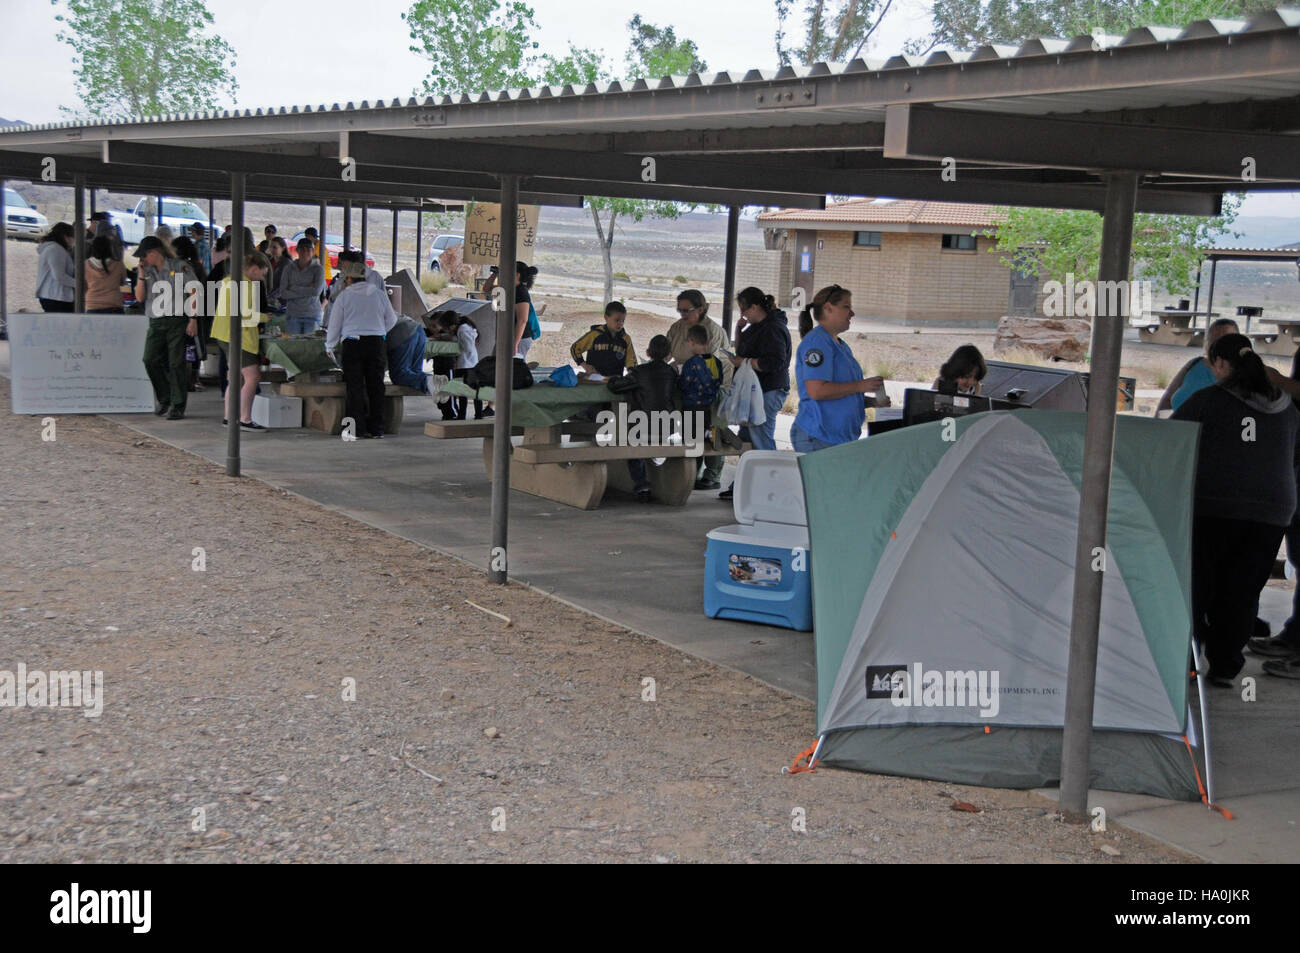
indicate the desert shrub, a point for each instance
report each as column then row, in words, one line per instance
column 431, row 282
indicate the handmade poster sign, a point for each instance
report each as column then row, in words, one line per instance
column 483, row 234
column 78, row 364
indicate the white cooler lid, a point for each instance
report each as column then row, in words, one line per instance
column 768, row 489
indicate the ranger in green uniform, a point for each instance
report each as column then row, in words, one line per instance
column 169, row 307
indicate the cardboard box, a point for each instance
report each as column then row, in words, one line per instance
column 276, row 412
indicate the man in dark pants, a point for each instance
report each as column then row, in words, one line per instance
column 360, row 319
column 163, row 289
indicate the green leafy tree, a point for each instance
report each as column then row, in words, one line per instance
column 832, row 32
column 578, row 68
column 656, row 51
column 1052, row 243
column 1166, row 248
column 473, row 45
column 634, row 209
column 966, row 24
column 144, row 57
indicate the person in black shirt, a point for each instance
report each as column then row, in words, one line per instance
column 651, row 387
column 763, row 343
column 1245, row 498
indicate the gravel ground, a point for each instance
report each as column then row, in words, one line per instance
column 223, row 692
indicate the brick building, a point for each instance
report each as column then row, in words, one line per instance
column 907, row 261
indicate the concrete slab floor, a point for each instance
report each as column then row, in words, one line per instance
column 641, row 567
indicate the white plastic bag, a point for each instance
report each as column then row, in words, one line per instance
column 743, row 406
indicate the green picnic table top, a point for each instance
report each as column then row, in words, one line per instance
column 542, row 405
column 305, row 353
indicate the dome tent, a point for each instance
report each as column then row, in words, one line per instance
column 942, row 622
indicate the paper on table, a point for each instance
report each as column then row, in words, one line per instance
column 594, row 378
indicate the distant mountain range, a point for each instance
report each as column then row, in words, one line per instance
column 11, row 122
column 1263, row 231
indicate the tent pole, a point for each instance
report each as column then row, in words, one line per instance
column 729, row 268
column 347, row 225
column 324, row 252
column 1205, row 732
column 79, row 216
column 1094, row 494
column 498, row 561
column 235, row 328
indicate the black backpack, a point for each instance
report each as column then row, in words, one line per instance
column 484, row 374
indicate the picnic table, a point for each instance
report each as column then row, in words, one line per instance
column 1174, row 327
column 304, row 359
column 576, row 472
column 305, row 353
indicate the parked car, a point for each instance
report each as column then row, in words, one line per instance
column 440, row 245
column 178, row 214
column 21, row 220
column 333, row 245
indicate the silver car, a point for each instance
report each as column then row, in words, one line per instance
column 21, row 220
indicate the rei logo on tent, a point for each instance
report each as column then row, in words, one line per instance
column 915, row 686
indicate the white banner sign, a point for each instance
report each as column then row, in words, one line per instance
column 78, row 364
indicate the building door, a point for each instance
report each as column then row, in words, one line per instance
column 1023, row 301
column 805, row 261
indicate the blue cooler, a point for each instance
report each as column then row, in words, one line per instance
column 757, row 569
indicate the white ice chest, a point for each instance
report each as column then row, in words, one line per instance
column 275, row 412
column 758, row 569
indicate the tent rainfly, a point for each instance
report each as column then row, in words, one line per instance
column 942, row 641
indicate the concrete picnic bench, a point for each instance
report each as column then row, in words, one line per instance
column 324, row 402
column 1174, row 327
column 577, row 472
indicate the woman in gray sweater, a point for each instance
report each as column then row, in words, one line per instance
column 1245, row 497
column 300, row 287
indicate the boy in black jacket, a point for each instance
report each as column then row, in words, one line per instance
column 606, row 349
column 650, row 387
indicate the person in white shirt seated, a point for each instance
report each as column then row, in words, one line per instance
column 359, row 321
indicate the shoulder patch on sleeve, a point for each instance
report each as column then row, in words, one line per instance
column 813, row 358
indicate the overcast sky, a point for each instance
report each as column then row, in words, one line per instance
column 326, row 51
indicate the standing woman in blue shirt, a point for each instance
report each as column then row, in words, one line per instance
column 831, row 387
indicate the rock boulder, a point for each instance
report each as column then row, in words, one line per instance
column 1058, row 339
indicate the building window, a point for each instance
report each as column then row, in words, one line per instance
column 953, row 242
column 866, row 239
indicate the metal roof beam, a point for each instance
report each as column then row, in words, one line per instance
column 762, row 139
column 391, row 150
column 463, row 173
column 924, row 132
column 1269, row 115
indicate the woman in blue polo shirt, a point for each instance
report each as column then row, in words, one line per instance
column 829, row 378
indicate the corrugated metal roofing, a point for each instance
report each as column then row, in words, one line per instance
column 1086, row 44
column 900, row 212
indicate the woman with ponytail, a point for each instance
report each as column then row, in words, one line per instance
column 1245, row 497
column 527, row 328
column 831, row 387
column 764, row 344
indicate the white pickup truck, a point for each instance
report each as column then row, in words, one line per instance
column 179, row 214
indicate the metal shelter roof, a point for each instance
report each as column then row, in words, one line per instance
column 1192, row 108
